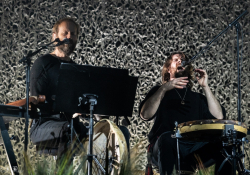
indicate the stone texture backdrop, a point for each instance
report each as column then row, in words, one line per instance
column 135, row 35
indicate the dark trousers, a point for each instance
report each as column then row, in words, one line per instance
column 52, row 136
column 165, row 155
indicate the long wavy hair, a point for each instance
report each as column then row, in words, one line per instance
column 166, row 76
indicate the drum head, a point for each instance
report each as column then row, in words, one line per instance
column 210, row 130
column 110, row 148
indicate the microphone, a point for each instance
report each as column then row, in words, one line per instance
column 64, row 41
column 56, row 40
column 184, row 63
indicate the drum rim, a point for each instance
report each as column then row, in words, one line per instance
column 114, row 127
column 214, row 126
column 212, row 121
column 120, row 138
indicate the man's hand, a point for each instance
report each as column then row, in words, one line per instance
column 76, row 115
column 178, row 83
column 202, row 77
column 151, row 105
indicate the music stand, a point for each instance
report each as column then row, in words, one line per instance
column 110, row 90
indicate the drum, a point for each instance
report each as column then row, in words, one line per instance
column 210, row 130
column 110, row 148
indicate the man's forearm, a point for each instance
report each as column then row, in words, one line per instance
column 150, row 106
column 213, row 104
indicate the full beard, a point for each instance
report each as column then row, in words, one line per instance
column 187, row 72
column 67, row 49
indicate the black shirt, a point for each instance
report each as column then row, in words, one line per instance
column 43, row 79
column 44, row 75
column 171, row 110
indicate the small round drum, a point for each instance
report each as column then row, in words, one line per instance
column 110, row 148
column 210, row 130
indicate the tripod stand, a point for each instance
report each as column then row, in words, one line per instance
column 91, row 99
column 237, row 154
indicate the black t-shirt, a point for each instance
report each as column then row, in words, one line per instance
column 43, row 79
column 171, row 110
column 44, row 75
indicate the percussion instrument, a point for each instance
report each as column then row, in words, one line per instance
column 110, row 148
column 210, row 130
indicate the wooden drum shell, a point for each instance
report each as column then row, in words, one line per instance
column 210, row 130
column 109, row 141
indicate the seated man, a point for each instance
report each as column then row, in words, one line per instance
column 175, row 101
column 52, row 129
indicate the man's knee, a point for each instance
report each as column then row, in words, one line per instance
column 166, row 140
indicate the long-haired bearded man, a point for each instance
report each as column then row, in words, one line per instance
column 174, row 100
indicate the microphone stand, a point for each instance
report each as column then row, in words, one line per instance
column 234, row 136
column 238, row 28
column 27, row 60
column 208, row 45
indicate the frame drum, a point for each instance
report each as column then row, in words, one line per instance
column 110, row 148
column 210, row 130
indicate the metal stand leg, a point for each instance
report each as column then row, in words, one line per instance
column 234, row 151
column 92, row 99
column 226, row 159
column 8, row 147
column 235, row 158
column 238, row 155
column 231, row 136
column 90, row 154
column 244, row 139
column 177, row 136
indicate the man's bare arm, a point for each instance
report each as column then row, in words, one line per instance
column 150, row 106
column 213, row 104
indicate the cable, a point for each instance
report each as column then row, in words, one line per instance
column 74, row 132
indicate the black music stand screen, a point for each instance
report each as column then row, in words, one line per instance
column 114, row 87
